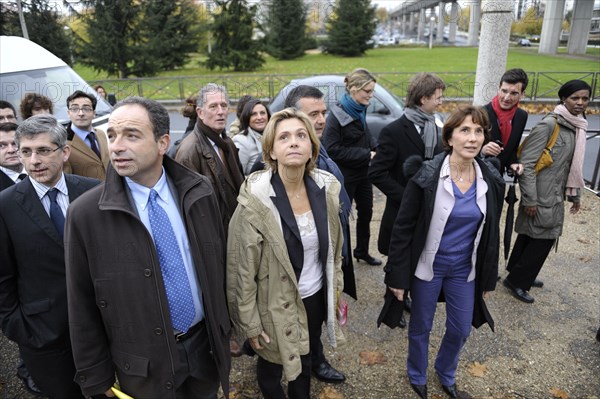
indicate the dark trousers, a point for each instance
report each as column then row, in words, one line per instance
column 361, row 192
column 269, row 374
column 53, row 371
column 197, row 378
column 526, row 260
column 315, row 309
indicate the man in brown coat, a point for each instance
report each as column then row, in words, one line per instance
column 89, row 148
column 146, row 270
column 210, row 152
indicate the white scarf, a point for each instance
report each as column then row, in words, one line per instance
column 575, row 180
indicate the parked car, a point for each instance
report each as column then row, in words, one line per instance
column 384, row 108
column 524, row 43
column 27, row 67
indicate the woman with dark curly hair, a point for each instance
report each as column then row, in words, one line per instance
column 34, row 104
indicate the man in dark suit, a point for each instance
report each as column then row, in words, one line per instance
column 417, row 132
column 507, row 120
column 146, row 296
column 89, row 147
column 11, row 169
column 7, row 112
column 33, row 297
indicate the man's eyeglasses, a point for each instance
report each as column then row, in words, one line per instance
column 86, row 109
column 42, row 152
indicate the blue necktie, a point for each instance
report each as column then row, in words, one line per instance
column 179, row 293
column 56, row 215
column 92, row 137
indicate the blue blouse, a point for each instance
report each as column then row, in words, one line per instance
column 458, row 239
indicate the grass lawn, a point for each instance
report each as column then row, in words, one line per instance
column 395, row 59
column 394, row 66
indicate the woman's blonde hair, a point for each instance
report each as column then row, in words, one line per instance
column 268, row 138
column 358, row 79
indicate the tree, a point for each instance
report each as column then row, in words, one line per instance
column 171, row 32
column 530, row 24
column 287, row 29
column 129, row 37
column 382, row 15
column 44, row 26
column 351, row 26
column 234, row 45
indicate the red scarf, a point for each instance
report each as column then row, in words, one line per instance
column 504, row 118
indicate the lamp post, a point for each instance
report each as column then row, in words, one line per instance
column 431, row 22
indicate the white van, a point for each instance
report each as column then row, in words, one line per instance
column 26, row 67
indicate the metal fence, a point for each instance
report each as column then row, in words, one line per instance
column 543, row 86
column 460, row 86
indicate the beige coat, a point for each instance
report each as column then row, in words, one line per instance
column 262, row 290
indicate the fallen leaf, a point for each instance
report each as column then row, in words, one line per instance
column 585, row 259
column 477, row 369
column 559, row 393
column 370, row 358
column 584, row 241
column 330, row 393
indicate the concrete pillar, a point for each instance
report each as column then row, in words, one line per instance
column 411, row 23
column 421, row 27
column 452, row 26
column 474, row 22
column 580, row 26
column 551, row 27
column 441, row 22
column 496, row 21
column 403, row 25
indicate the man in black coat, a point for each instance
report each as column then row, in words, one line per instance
column 507, row 120
column 401, row 139
column 11, row 169
column 33, row 297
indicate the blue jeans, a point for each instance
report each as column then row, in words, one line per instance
column 460, row 298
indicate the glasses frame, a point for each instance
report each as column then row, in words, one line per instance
column 85, row 109
column 47, row 152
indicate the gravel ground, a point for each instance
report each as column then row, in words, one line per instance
column 543, row 350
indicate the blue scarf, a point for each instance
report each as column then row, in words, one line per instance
column 355, row 110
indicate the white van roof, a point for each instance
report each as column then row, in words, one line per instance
column 19, row 54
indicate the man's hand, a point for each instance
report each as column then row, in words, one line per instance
column 575, row 208
column 517, row 168
column 530, row 210
column 254, row 341
column 109, row 393
column 487, row 294
column 491, row 149
column 398, row 293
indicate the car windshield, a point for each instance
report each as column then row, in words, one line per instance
column 55, row 83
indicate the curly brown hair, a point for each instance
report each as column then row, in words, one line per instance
column 34, row 101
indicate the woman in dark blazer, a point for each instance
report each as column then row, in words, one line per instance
column 349, row 143
column 445, row 240
column 401, row 139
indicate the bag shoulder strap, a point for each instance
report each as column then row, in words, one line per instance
column 551, row 141
column 554, row 136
